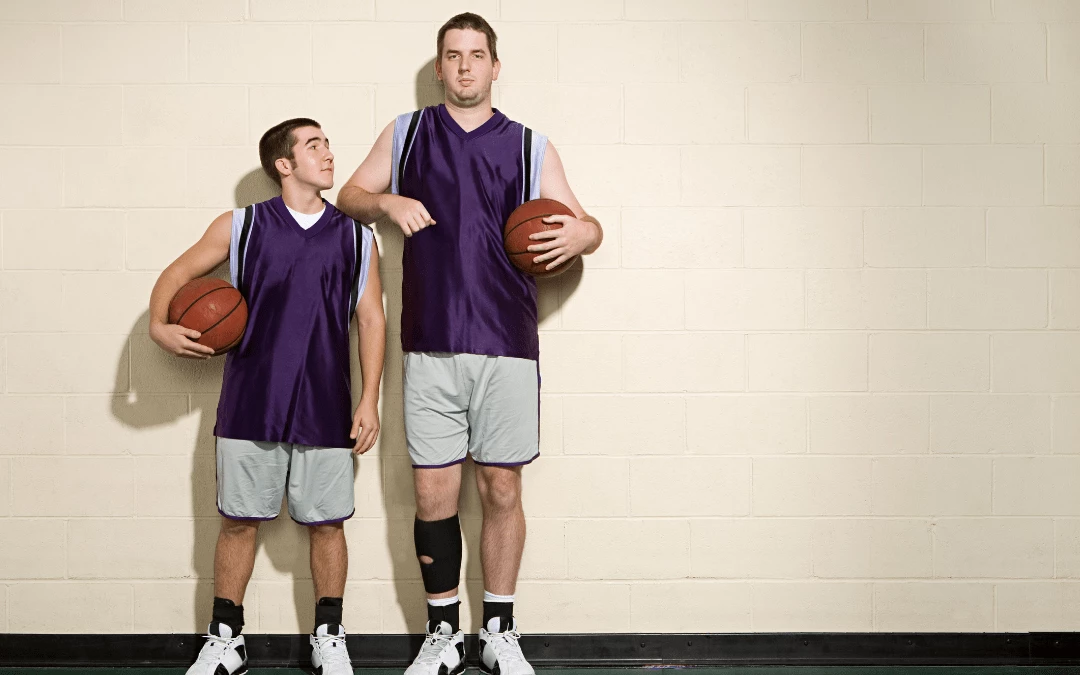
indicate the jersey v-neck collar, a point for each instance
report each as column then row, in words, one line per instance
column 278, row 205
column 451, row 124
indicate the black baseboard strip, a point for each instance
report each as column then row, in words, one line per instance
column 577, row 650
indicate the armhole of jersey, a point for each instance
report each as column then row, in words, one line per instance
column 241, row 233
column 533, row 147
column 363, row 242
column 234, row 243
column 404, row 132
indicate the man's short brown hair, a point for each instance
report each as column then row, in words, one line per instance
column 278, row 142
column 468, row 20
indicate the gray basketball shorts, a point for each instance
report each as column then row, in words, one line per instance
column 252, row 477
column 486, row 406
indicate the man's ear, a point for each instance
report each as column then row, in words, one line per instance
column 283, row 166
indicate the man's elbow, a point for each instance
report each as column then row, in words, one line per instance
column 371, row 321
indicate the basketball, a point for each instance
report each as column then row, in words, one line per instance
column 214, row 308
column 526, row 220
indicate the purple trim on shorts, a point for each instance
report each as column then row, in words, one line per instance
column 508, row 464
column 244, row 519
column 323, row 522
column 439, row 466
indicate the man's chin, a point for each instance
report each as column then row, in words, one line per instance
column 467, row 99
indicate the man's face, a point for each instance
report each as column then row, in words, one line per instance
column 465, row 67
column 313, row 163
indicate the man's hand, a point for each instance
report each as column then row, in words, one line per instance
column 179, row 341
column 408, row 214
column 365, row 426
column 563, row 243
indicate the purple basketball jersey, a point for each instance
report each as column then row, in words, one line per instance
column 460, row 292
column 288, row 379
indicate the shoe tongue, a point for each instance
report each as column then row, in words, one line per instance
column 330, row 630
column 222, row 630
column 442, row 628
column 500, row 624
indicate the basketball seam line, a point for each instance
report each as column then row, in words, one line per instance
column 231, row 344
column 192, row 304
column 215, row 324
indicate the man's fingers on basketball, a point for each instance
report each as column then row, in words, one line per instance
column 190, row 333
column 549, row 255
column 546, row 246
column 201, row 348
column 556, row 219
column 546, row 234
column 560, row 260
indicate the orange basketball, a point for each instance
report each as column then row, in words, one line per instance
column 526, row 220
column 214, row 308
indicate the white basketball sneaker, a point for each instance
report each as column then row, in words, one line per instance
column 222, row 654
column 329, row 655
column 500, row 653
column 443, row 652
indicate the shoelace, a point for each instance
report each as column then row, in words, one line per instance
column 506, row 646
column 332, row 652
column 433, row 646
column 216, row 645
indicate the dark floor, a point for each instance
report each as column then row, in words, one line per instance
column 739, row 670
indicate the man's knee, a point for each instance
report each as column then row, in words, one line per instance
column 231, row 527
column 326, row 532
column 500, row 488
column 437, row 492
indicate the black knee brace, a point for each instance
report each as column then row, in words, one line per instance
column 439, row 540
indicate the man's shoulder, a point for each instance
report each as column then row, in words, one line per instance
column 406, row 117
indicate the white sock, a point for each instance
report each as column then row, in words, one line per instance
column 442, row 602
column 491, row 597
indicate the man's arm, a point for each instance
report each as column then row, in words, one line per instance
column 364, row 196
column 371, row 324
column 199, row 260
column 580, row 234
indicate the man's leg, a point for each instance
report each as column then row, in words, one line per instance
column 321, row 498
column 437, row 433
column 437, row 493
column 234, row 559
column 437, row 536
column 329, row 560
column 502, row 539
column 250, row 484
column 504, row 420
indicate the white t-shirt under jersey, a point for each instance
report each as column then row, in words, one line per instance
column 306, row 220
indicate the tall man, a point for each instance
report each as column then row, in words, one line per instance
column 454, row 173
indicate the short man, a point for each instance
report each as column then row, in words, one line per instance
column 468, row 327
column 285, row 415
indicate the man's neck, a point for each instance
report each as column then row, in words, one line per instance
column 302, row 199
column 472, row 117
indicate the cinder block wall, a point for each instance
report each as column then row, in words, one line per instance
column 824, row 373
